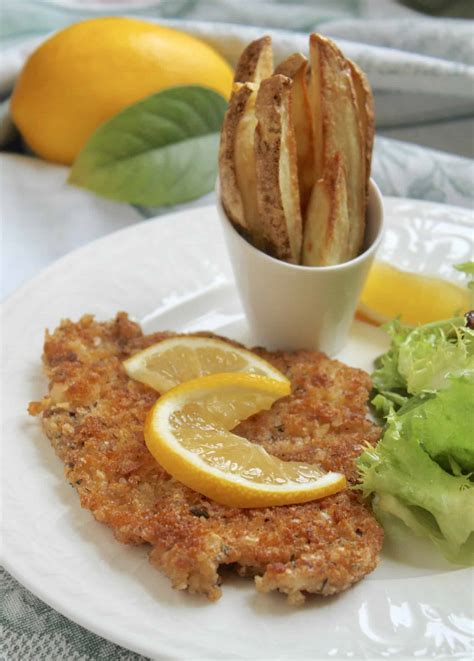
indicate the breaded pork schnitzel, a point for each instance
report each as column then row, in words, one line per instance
column 94, row 417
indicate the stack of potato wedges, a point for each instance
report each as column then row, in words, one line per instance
column 295, row 153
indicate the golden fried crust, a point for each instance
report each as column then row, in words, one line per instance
column 256, row 62
column 276, row 169
column 94, row 416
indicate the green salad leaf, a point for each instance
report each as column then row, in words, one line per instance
column 468, row 269
column 422, row 471
column 422, row 359
column 410, row 485
column 432, row 353
column 444, row 423
column 161, row 150
column 387, row 375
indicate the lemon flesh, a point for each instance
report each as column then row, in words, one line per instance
column 178, row 359
column 188, row 431
column 83, row 75
column 416, row 299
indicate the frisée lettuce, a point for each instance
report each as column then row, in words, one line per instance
column 421, row 360
column 422, row 470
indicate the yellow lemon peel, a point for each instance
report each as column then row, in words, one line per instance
column 188, row 431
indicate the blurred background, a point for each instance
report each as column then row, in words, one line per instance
column 412, row 105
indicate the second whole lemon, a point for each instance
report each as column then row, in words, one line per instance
column 87, row 73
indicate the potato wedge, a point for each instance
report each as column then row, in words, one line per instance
column 318, row 112
column 276, row 170
column 336, row 123
column 326, row 230
column 296, row 68
column 256, row 62
column 365, row 105
column 236, row 151
column 291, row 65
column 245, row 168
column 231, row 197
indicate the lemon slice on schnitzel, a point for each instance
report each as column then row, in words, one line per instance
column 177, row 359
column 188, row 431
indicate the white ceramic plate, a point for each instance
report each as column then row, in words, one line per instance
column 173, row 273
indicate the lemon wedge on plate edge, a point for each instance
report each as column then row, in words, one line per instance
column 184, row 357
column 188, row 431
column 413, row 297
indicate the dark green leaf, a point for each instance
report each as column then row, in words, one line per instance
column 161, row 150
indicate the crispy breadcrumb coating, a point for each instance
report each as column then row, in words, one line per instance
column 94, row 416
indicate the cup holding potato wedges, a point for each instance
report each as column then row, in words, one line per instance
column 301, row 217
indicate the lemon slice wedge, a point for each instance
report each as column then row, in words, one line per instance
column 188, row 433
column 177, row 359
column 413, row 297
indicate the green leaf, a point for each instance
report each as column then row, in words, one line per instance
column 466, row 267
column 433, row 352
column 421, row 358
column 386, row 401
column 387, row 377
column 443, row 423
column 161, row 150
column 411, row 486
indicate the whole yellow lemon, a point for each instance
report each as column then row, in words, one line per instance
column 85, row 74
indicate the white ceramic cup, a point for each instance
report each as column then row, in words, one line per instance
column 301, row 307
